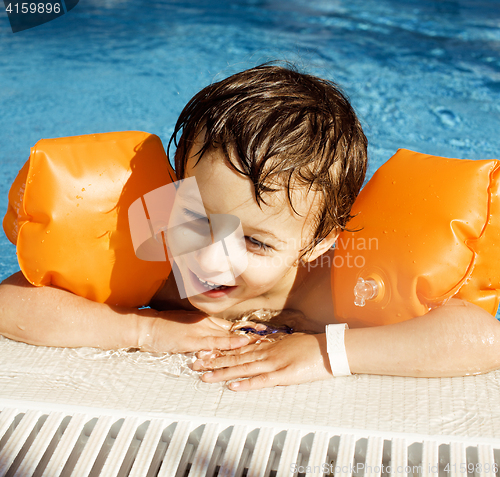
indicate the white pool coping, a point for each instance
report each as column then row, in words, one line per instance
column 467, row 408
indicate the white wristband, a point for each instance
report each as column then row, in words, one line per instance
column 336, row 349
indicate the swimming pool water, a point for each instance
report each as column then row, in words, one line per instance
column 422, row 74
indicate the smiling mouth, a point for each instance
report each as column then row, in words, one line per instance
column 210, row 285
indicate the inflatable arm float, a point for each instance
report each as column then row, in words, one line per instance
column 429, row 230
column 68, row 215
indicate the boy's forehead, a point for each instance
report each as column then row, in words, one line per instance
column 224, row 190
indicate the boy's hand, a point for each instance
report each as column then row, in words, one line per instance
column 185, row 331
column 295, row 359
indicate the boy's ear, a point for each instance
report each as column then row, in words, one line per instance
column 322, row 246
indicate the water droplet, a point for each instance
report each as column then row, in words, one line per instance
column 47, row 231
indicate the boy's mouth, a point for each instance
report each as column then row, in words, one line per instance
column 211, row 286
column 208, row 285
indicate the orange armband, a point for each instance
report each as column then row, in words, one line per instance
column 429, row 230
column 68, row 215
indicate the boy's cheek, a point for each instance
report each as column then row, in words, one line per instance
column 262, row 278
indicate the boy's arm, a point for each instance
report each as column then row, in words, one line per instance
column 456, row 339
column 50, row 316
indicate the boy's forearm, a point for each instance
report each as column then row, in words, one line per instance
column 53, row 317
column 454, row 340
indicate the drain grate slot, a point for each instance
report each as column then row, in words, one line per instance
column 233, row 452
column 40, row 443
column 9, row 420
column 131, row 453
column 19, row 442
column 156, row 433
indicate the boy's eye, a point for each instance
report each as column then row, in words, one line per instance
column 192, row 215
column 258, row 245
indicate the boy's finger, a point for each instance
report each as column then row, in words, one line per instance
column 249, row 324
column 254, row 345
column 265, row 380
column 251, row 345
column 227, row 325
column 216, row 360
column 243, row 370
column 223, row 342
column 252, row 338
column 201, row 355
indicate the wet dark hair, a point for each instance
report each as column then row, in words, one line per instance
column 284, row 127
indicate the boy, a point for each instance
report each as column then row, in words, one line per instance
column 285, row 153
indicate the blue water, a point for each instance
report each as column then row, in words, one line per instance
column 422, row 74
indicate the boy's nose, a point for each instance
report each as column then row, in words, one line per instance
column 212, row 259
column 228, row 252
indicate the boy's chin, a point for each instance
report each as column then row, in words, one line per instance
column 208, row 308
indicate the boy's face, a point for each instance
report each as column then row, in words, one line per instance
column 274, row 235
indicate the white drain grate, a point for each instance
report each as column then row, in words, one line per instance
column 50, row 443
